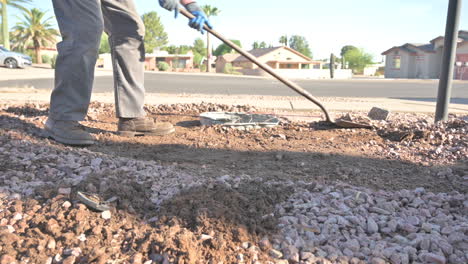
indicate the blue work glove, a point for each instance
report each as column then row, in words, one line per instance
column 200, row 18
column 171, row 5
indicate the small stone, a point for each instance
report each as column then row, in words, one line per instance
column 137, row 258
column 64, row 191
column 106, row 215
column 66, row 205
column 69, row 260
column 275, row 254
column 51, row 244
column 372, row 226
column 353, row 245
column 245, row 245
column 307, row 255
column 96, row 162
column 7, row 259
column 264, row 243
column 377, row 113
column 434, row 258
column 378, row 261
column 204, row 237
column 17, row 216
column 240, row 257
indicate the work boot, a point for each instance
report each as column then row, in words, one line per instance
column 68, row 132
column 143, row 126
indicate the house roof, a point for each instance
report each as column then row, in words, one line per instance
column 262, row 52
column 230, row 57
column 412, row 48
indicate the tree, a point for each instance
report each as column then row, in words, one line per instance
column 36, row 30
column 199, row 47
column 259, row 45
column 104, row 47
column 346, row 49
column 357, row 59
column 155, row 36
column 199, row 52
column 284, row 40
column 224, row 49
column 210, row 11
column 4, row 9
column 300, row 44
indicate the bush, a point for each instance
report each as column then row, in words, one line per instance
column 46, row 59
column 229, row 69
column 163, row 66
column 53, row 61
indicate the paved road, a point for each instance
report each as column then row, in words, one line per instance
column 424, row 90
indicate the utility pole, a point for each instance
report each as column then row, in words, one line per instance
column 448, row 62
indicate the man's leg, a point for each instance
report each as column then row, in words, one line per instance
column 81, row 25
column 126, row 32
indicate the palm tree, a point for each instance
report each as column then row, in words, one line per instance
column 3, row 7
column 284, row 40
column 35, row 29
column 210, row 11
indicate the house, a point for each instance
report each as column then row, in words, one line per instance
column 423, row 61
column 283, row 60
column 177, row 62
column 221, row 61
column 278, row 58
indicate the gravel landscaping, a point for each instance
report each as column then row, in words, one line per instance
column 297, row 193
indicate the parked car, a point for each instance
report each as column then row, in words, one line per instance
column 14, row 60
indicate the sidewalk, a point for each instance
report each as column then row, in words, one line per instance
column 23, row 95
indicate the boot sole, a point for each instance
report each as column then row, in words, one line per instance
column 149, row 133
column 68, row 141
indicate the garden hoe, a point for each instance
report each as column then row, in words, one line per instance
column 290, row 84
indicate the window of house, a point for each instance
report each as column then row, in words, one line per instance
column 396, row 62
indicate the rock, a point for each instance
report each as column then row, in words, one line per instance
column 372, row 226
column 64, row 191
column 377, row 113
column 434, row 258
column 96, row 162
column 69, row 260
column 353, row 245
column 137, row 258
column 66, row 204
column 51, row 244
column 264, row 243
column 7, row 259
column 291, row 253
column 275, row 254
column 106, row 215
column 307, row 255
column 378, row 261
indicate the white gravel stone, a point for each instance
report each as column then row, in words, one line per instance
column 106, row 215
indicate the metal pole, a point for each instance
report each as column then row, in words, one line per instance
column 448, row 62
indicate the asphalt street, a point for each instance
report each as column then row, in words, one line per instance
column 424, row 90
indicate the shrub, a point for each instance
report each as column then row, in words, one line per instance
column 229, row 69
column 46, row 59
column 163, row 66
column 53, row 61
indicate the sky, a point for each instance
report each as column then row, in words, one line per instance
column 373, row 25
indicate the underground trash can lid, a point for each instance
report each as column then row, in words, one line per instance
column 238, row 119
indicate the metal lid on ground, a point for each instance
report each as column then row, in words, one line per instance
column 238, row 120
